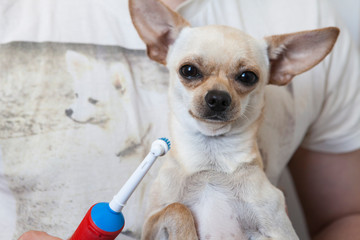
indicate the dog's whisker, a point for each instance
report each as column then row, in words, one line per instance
column 250, row 107
column 243, row 116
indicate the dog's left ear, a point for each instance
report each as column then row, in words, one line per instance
column 157, row 25
column 295, row 53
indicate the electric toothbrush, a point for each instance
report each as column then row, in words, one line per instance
column 104, row 220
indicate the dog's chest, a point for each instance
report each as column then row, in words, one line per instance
column 200, row 153
column 215, row 201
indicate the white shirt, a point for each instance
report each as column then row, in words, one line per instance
column 49, row 179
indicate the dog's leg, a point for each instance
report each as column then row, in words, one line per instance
column 273, row 223
column 173, row 222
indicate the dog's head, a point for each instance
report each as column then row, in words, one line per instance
column 218, row 73
column 96, row 87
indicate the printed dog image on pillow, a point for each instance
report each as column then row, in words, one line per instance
column 97, row 89
column 74, row 125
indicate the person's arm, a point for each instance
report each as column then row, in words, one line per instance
column 36, row 235
column 328, row 186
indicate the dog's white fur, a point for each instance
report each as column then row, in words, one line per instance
column 101, row 96
column 98, row 89
column 213, row 185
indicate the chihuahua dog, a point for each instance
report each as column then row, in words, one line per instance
column 214, row 186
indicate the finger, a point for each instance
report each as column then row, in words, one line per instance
column 37, row 235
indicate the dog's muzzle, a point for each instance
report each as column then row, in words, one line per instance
column 69, row 112
column 218, row 102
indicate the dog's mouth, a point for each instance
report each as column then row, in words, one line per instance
column 91, row 120
column 216, row 118
column 212, row 117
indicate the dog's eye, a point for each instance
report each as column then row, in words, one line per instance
column 93, row 101
column 247, row 78
column 190, row 72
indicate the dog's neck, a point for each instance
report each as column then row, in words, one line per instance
column 226, row 152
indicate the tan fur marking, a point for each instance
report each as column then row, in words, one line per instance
column 159, row 37
column 176, row 219
column 294, row 53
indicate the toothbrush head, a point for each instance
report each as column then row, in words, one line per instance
column 160, row 146
column 167, row 141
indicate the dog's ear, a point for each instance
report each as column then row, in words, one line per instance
column 157, row 25
column 77, row 63
column 119, row 72
column 295, row 53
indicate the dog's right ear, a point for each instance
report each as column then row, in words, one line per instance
column 157, row 25
column 77, row 63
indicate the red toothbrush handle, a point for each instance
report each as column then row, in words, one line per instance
column 87, row 230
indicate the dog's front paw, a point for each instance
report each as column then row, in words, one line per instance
column 173, row 222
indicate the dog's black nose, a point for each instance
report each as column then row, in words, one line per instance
column 218, row 101
column 69, row 112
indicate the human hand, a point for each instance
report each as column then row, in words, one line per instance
column 36, row 235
